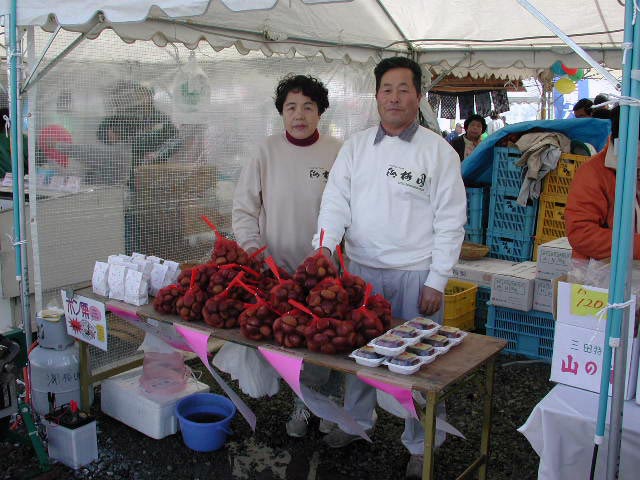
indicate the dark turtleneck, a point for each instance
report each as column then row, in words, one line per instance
column 305, row 142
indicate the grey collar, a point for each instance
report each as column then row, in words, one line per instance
column 406, row 135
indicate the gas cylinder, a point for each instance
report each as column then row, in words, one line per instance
column 54, row 364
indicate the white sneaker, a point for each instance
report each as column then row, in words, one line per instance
column 326, row 426
column 297, row 424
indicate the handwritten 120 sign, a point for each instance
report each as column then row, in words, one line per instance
column 586, row 302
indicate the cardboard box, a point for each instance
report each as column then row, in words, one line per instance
column 169, row 182
column 554, row 258
column 543, row 295
column 514, row 287
column 481, row 271
column 577, row 358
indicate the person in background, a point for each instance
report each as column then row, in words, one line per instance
column 5, row 146
column 589, row 212
column 474, row 127
column 602, row 112
column 277, row 200
column 582, row 108
column 396, row 196
column 455, row 133
column 495, row 123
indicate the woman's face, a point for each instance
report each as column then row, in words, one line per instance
column 474, row 130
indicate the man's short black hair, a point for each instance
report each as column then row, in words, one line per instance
column 398, row 62
column 475, row 118
column 601, row 98
column 308, row 86
column 583, row 103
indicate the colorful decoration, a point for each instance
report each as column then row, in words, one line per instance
column 565, row 85
column 578, row 75
column 569, row 71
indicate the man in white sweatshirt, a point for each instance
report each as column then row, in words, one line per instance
column 396, row 196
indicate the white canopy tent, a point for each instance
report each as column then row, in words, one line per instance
column 498, row 37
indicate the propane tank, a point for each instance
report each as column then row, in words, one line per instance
column 54, row 364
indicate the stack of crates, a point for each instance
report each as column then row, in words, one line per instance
column 527, row 333
column 460, row 304
column 511, row 226
column 483, row 296
column 553, row 199
column 477, row 209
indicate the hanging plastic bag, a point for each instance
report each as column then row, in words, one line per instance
column 255, row 376
column 163, row 374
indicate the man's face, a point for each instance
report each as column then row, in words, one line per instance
column 581, row 113
column 474, row 130
column 300, row 115
column 458, row 129
column 398, row 100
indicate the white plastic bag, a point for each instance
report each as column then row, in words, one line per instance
column 159, row 278
column 100, row 279
column 117, row 275
column 255, row 376
column 136, row 288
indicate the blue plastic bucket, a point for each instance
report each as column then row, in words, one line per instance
column 204, row 420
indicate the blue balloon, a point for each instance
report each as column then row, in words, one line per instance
column 556, row 68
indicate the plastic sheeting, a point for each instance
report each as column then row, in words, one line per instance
column 477, row 168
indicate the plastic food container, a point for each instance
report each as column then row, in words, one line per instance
column 425, row 326
column 405, row 364
column 422, row 350
column 440, row 343
column 458, row 340
column 409, row 334
column 389, row 345
column 367, row 356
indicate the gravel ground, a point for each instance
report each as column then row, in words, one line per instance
column 269, row 453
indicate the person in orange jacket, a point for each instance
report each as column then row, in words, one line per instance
column 588, row 215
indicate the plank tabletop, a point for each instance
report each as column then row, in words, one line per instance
column 472, row 353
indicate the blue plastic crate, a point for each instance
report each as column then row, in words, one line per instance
column 482, row 297
column 508, row 217
column 476, row 208
column 509, row 247
column 527, row 333
column 506, row 175
column 475, row 236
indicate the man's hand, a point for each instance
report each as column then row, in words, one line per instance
column 252, row 250
column 430, row 300
column 324, row 250
column 327, row 253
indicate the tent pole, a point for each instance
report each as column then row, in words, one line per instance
column 573, row 45
column 17, row 168
column 622, row 256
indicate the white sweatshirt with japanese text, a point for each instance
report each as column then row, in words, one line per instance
column 399, row 205
column 277, row 199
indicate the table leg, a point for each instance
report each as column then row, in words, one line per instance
column 490, row 370
column 85, row 374
column 429, row 424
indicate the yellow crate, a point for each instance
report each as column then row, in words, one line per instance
column 466, row 321
column 459, row 299
column 557, row 181
column 551, row 218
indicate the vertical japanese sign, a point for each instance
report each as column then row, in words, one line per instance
column 86, row 320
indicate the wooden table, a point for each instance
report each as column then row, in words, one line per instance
column 435, row 380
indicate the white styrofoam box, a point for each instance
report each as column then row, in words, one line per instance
column 480, row 271
column 554, row 258
column 514, row 287
column 123, row 399
column 570, row 294
column 577, row 358
column 543, row 295
column 75, row 447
